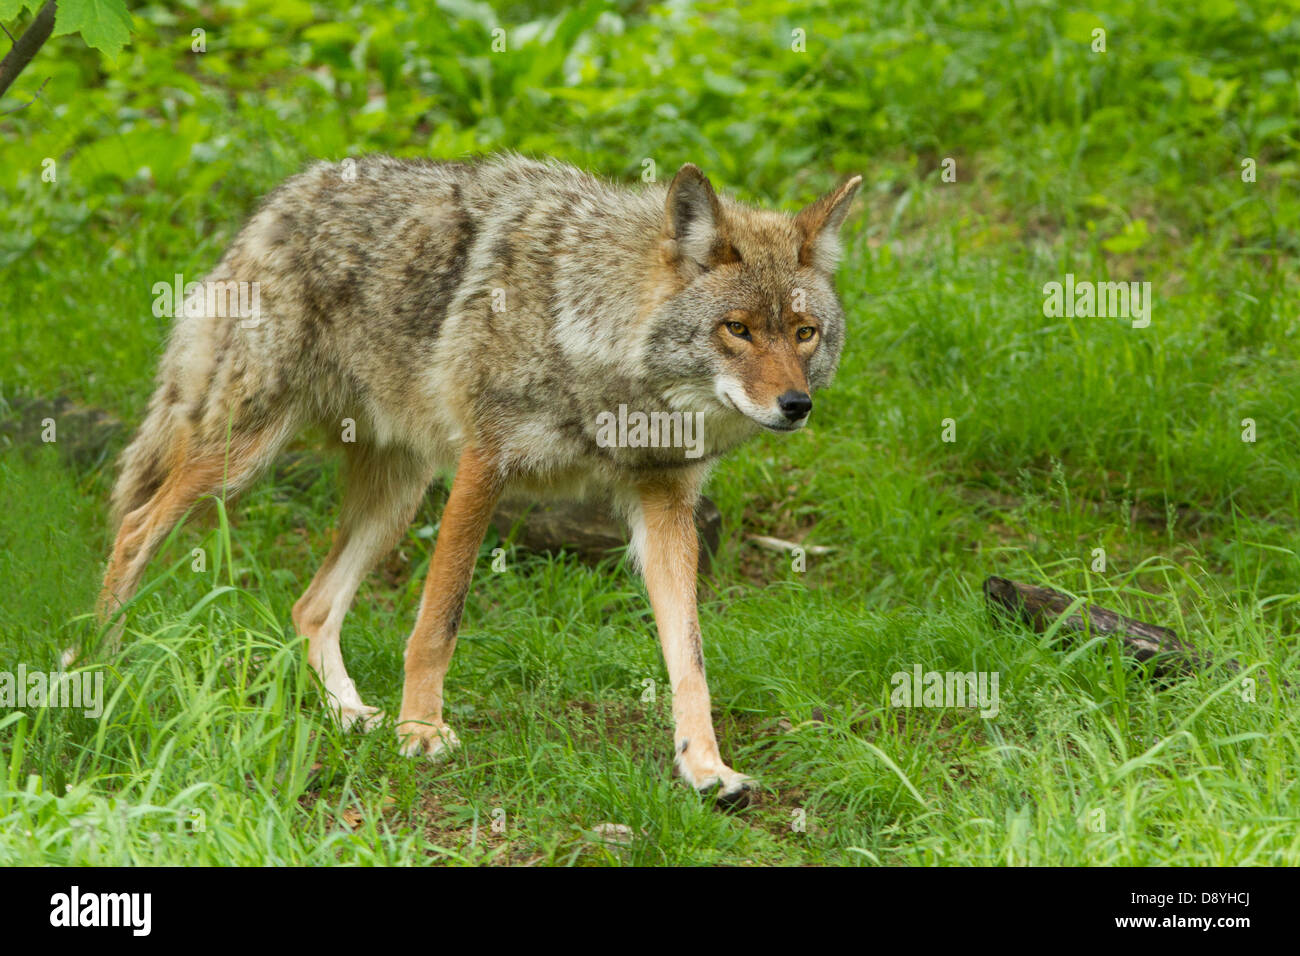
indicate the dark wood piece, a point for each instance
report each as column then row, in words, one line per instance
column 1039, row 607
column 590, row 529
column 25, row 47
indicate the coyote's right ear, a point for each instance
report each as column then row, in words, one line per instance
column 694, row 216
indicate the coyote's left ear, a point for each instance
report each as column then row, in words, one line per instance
column 819, row 224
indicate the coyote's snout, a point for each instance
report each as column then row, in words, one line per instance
column 497, row 317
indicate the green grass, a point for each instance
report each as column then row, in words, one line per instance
column 1071, row 435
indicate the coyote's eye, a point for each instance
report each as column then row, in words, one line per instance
column 806, row 333
column 738, row 329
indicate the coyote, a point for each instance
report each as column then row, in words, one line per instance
column 487, row 315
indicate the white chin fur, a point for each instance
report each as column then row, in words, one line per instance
column 730, row 392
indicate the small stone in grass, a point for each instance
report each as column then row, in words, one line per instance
column 617, row 833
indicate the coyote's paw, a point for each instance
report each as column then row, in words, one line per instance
column 730, row 790
column 343, row 701
column 427, row 740
column 362, row 718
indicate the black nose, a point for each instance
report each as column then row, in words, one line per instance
column 795, row 405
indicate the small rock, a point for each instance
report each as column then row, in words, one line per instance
column 619, row 834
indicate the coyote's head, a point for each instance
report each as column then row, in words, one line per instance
column 754, row 323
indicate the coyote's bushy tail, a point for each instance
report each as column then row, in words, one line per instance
column 157, row 447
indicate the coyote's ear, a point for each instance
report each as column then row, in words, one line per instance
column 694, row 215
column 819, row 223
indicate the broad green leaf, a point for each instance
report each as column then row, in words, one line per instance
column 103, row 24
column 11, row 8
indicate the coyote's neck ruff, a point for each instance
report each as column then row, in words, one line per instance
column 497, row 316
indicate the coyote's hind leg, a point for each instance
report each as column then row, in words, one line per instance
column 382, row 490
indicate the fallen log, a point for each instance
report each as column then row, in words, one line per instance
column 590, row 529
column 82, row 436
column 1039, row 608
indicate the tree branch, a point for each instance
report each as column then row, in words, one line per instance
column 35, row 96
column 26, row 46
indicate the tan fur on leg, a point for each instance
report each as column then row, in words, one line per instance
column 474, row 494
column 670, row 556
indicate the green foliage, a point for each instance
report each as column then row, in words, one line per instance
column 103, row 24
column 12, row 8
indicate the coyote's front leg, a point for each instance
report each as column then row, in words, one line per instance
column 664, row 532
column 474, row 493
